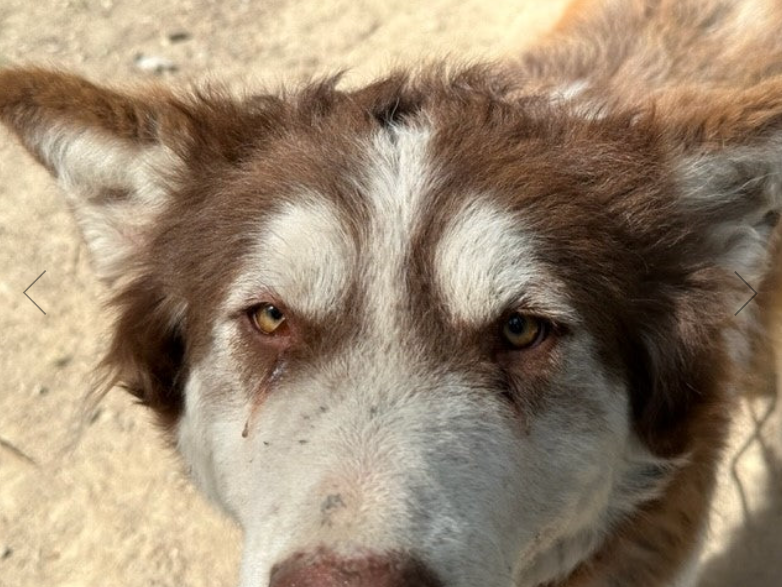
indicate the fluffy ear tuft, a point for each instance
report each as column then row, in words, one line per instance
column 112, row 153
column 726, row 155
column 728, row 146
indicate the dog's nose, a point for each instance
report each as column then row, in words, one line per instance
column 325, row 570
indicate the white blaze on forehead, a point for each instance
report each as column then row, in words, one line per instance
column 399, row 177
column 304, row 256
column 486, row 261
column 396, row 183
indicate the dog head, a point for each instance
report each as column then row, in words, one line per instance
column 427, row 332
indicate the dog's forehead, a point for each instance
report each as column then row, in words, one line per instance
column 467, row 205
column 477, row 257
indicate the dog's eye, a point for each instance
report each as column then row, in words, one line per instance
column 523, row 332
column 267, row 318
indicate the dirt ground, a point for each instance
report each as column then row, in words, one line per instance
column 108, row 505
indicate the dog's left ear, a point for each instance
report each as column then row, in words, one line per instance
column 723, row 154
column 727, row 146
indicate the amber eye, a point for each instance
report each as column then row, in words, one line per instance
column 267, row 318
column 523, row 331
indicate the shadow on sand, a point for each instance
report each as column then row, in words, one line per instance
column 752, row 556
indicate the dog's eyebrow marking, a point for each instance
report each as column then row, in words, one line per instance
column 486, row 261
column 304, row 256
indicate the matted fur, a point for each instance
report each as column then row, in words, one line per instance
column 610, row 182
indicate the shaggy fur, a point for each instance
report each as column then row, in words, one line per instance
column 607, row 183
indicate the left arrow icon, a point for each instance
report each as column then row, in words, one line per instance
column 29, row 286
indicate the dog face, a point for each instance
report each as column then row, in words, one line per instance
column 389, row 411
column 424, row 333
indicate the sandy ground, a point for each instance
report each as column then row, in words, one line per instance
column 114, row 507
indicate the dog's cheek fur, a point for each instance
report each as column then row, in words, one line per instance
column 146, row 355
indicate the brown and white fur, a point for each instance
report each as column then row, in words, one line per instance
column 608, row 182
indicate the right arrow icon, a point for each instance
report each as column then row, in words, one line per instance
column 754, row 293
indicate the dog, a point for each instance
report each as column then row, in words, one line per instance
column 473, row 325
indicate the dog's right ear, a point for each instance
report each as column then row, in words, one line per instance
column 111, row 153
column 116, row 155
column 121, row 158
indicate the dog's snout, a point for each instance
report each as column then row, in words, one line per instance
column 326, row 570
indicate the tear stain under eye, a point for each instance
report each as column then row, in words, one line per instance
column 269, row 381
column 276, row 372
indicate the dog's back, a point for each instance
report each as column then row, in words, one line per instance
column 634, row 49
